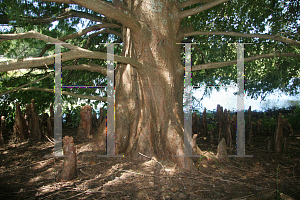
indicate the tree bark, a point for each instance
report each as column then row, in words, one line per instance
column 149, row 100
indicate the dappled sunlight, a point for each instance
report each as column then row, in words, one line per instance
column 36, row 179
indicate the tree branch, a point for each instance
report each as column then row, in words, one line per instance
column 70, row 55
column 76, row 52
column 90, row 67
column 17, row 88
column 88, row 42
column 80, row 33
column 107, row 9
column 265, row 36
column 66, row 93
column 192, row 2
column 47, row 20
column 89, row 29
column 193, row 11
column 36, row 35
column 232, row 62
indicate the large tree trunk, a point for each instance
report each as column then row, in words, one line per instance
column 149, row 100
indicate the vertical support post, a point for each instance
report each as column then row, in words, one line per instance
column 188, row 138
column 240, row 101
column 240, row 138
column 110, row 100
column 57, row 104
column 188, row 102
column 110, row 103
column 58, row 148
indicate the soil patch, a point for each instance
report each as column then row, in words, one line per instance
column 26, row 173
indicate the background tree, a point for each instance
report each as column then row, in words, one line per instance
column 149, row 74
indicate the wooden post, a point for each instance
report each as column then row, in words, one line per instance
column 69, row 169
column 278, row 136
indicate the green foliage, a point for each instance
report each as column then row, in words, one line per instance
column 261, row 76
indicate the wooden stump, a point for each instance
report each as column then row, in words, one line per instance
column 20, row 128
column 85, row 125
column 195, row 123
column 44, row 125
column 233, row 127
column 35, row 132
column 222, row 151
column 28, row 117
column 278, row 135
column 69, row 169
column 220, row 121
